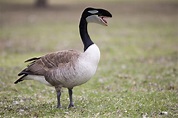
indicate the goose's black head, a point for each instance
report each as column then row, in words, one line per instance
column 96, row 15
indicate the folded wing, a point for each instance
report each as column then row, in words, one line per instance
column 39, row 66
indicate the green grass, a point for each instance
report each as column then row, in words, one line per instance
column 137, row 75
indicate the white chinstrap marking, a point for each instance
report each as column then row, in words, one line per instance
column 95, row 19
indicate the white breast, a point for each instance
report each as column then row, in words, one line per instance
column 87, row 65
column 91, row 55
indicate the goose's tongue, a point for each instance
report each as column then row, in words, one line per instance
column 104, row 20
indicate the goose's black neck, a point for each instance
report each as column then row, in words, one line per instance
column 84, row 34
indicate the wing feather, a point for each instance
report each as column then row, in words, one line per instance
column 39, row 66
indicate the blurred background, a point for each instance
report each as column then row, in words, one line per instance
column 139, row 52
column 53, row 24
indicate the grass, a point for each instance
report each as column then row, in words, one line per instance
column 137, row 75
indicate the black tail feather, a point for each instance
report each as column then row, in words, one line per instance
column 20, row 79
column 32, row 59
column 24, row 72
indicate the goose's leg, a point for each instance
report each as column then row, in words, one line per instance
column 58, row 91
column 71, row 104
column 58, row 99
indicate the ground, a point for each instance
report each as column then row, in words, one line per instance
column 138, row 72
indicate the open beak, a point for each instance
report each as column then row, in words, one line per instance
column 103, row 20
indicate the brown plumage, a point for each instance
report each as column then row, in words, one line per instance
column 50, row 62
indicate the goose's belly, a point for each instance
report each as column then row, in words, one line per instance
column 74, row 74
column 83, row 73
column 85, row 67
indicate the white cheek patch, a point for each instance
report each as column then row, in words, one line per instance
column 93, row 11
column 92, row 19
column 95, row 19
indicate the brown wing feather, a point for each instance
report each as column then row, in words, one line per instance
column 41, row 65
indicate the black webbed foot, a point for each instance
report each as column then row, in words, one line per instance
column 71, row 106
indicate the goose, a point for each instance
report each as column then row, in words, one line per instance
column 68, row 68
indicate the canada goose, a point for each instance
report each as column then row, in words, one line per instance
column 68, row 68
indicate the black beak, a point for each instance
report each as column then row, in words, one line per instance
column 103, row 12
